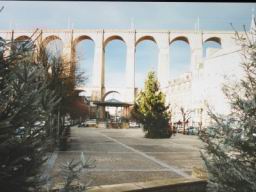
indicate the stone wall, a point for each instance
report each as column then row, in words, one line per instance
column 168, row 185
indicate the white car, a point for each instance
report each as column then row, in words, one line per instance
column 133, row 124
column 90, row 123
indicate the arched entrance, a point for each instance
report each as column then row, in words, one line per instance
column 114, row 62
column 180, row 57
column 115, row 112
column 211, row 45
column 83, row 53
column 146, row 59
column 53, row 46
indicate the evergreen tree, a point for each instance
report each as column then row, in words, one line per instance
column 25, row 102
column 230, row 151
column 150, row 110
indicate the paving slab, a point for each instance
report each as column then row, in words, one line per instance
column 114, row 161
column 124, row 156
column 119, row 177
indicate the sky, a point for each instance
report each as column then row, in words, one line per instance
column 118, row 15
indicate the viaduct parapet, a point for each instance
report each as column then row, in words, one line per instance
column 101, row 37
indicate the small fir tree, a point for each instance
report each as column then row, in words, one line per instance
column 31, row 110
column 150, row 110
column 25, row 102
column 230, row 151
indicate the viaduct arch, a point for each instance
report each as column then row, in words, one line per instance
column 163, row 38
column 107, row 42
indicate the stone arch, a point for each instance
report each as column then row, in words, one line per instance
column 23, row 38
column 214, row 43
column 81, row 38
column 214, row 39
column 84, row 62
column 180, row 56
column 111, row 38
column 146, row 58
column 146, row 37
column 111, row 110
column 50, row 38
column 77, row 41
column 180, row 38
column 114, row 66
column 22, row 41
column 108, row 93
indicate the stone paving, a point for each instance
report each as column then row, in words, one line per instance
column 124, row 155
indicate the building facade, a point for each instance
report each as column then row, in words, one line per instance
column 201, row 89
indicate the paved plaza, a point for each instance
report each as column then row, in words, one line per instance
column 124, row 155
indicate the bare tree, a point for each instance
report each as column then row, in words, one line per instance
column 185, row 113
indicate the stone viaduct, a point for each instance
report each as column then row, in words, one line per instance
column 163, row 38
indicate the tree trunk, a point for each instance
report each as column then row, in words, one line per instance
column 184, row 125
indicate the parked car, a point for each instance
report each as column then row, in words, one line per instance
column 88, row 123
column 91, row 123
column 180, row 130
column 192, row 131
column 134, row 124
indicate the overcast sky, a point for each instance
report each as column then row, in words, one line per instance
column 118, row 15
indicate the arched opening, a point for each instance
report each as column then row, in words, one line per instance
column 211, row 45
column 22, row 42
column 150, row 38
column 53, row 46
column 113, row 113
column 115, row 61
column 84, row 54
column 146, row 59
column 23, row 38
column 114, row 37
column 108, row 93
column 180, row 57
